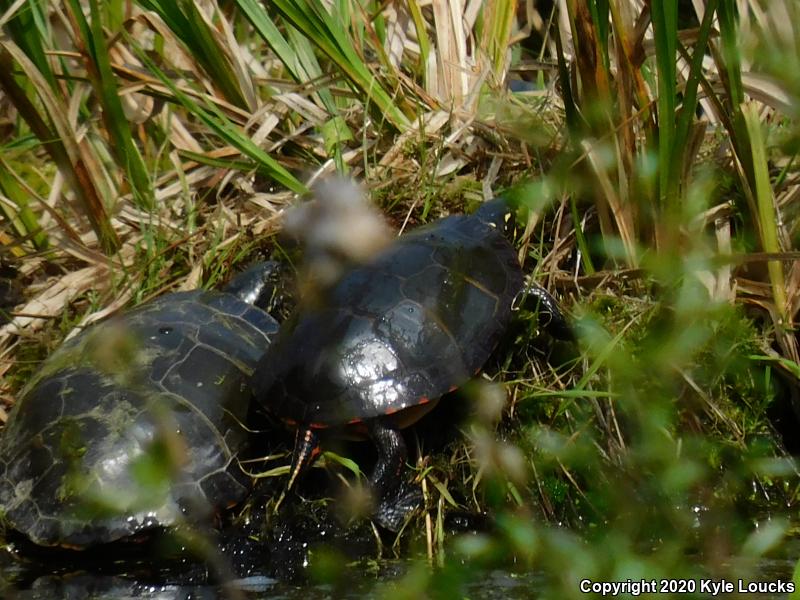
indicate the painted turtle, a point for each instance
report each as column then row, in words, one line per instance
column 392, row 336
column 167, row 379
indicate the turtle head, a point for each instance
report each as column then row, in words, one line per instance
column 498, row 213
column 265, row 285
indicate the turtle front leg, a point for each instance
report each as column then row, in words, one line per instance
column 537, row 299
column 306, row 450
column 263, row 285
column 395, row 500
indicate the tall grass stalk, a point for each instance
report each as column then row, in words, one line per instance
column 767, row 212
column 325, row 30
column 50, row 124
column 191, row 26
column 101, row 76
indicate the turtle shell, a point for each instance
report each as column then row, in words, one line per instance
column 403, row 329
column 134, row 422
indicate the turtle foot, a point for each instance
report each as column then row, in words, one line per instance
column 393, row 512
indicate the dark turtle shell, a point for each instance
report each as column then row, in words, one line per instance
column 405, row 328
column 83, row 455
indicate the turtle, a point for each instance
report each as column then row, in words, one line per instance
column 392, row 336
column 137, row 422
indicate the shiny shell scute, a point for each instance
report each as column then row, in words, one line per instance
column 410, row 325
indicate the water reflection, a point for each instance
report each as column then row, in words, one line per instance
column 364, row 579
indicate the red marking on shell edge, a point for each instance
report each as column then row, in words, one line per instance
column 68, row 546
column 422, row 400
column 296, row 424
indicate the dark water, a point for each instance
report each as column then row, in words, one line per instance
column 153, row 569
column 365, row 579
column 493, row 584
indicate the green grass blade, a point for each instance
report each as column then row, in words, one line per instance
column 218, row 163
column 686, row 115
column 731, row 76
column 23, row 219
column 310, row 65
column 580, row 237
column 216, row 120
column 26, row 28
column 574, row 122
column 731, row 52
column 498, row 21
column 312, row 19
column 347, row 463
column 665, row 31
column 334, row 133
column 298, row 57
column 59, row 140
column 767, row 209
column 185, row 21
column 599, row 9
column 116, row 123
column 422, row 38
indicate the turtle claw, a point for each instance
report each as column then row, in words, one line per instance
column 393, row 512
